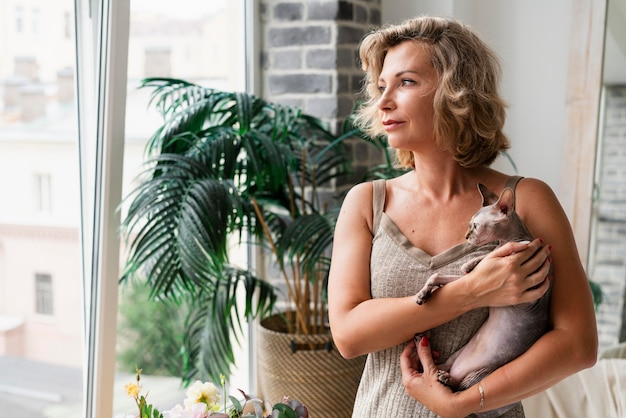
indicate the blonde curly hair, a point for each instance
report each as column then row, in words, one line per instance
column 469, row 113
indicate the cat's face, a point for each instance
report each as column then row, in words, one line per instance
column 485, row 225
column 491, row 222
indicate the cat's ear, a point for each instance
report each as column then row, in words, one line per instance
column 506, row 202
column 489, row 197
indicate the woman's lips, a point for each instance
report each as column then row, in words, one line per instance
column 390, row 125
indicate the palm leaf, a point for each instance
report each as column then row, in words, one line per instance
column 214, row 322
column 214, row 154
column 309, row 238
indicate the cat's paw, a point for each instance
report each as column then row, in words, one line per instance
column 432, row 283
column 443, row 377
column 422, row 296
column 469, row 265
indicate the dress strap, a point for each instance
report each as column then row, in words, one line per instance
column 378, row 203
column 512, row 182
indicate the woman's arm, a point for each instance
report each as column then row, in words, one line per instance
column 361, row 325
column 571, row 344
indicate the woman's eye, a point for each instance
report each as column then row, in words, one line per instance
column 406, row 82
column 381, row 89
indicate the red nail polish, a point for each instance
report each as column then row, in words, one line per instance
column 424, row 342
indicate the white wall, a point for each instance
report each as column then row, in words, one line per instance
column 532, row 39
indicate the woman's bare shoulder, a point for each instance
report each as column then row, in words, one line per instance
column 538, row 206
column 360, row 191
column 531, row 193
column 359, row 198
column 357, row 206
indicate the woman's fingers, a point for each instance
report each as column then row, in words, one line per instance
column 524, row 252
column 408, row 359
column 417, row 356
column 513, row 274
column 416, row 362
column 539, row 281
column 513, row 247
column 538, row 268
column 425, row 355
column 425, row 385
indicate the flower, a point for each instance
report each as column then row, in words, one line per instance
column 197, row 410
column 206, row 393
column 133, row 389
column 203, row 401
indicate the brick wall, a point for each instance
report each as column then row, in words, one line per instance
column 608, row 249
column 310, row 60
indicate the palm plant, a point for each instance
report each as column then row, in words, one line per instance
column 230, row 167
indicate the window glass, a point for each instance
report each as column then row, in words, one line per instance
column 201, row 42
column 40, row 267
column 41, row 311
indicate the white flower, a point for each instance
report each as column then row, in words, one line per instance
column 206, row 393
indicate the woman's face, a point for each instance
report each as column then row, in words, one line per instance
column 407, row 84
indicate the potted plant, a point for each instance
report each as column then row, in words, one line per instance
column 226, row 168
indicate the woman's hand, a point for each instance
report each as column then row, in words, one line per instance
column 424, row 385
column 512, row 274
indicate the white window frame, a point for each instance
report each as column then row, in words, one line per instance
column 102, row 30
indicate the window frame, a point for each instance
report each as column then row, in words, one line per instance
column 102, row 54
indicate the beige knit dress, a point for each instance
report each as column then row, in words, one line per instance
column 397, row 270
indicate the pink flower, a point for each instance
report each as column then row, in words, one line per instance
column 199, row 410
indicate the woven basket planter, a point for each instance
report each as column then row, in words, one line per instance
column 307, row 368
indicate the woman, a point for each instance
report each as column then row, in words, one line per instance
column 432, row 86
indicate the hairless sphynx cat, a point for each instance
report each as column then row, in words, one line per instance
column 508, row 331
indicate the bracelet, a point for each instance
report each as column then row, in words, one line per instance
column 482, row 395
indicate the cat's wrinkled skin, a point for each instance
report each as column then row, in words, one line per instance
column 509, row 330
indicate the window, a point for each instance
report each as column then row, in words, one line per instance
column 40, row 170
column 43, row 294
column 67, row 25
column 35, row 23
column 19, row 19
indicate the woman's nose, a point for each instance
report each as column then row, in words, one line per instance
column 385, row 101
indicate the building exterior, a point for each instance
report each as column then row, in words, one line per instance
column 40, row 282
column 41, row 289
